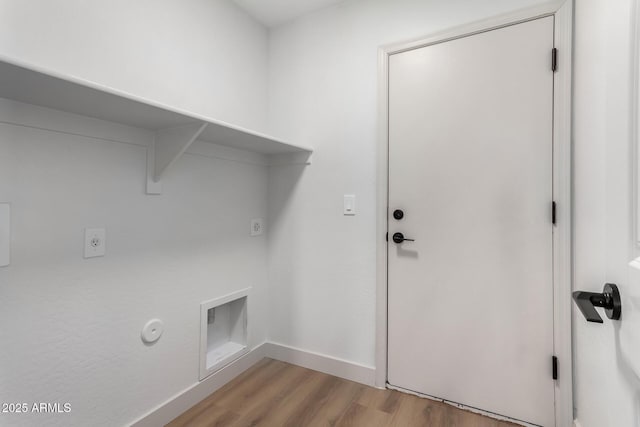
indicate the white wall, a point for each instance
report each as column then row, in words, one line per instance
column 71, row 327
column 323, row 90
column 205, row 56
column 607, row 384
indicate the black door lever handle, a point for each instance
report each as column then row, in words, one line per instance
column 399, row 238
column 609, row 299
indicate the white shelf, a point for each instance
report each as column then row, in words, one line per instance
column 175, row 128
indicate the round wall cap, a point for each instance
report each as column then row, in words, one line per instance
column 152, row 331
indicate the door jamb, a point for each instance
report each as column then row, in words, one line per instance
column 562, row 11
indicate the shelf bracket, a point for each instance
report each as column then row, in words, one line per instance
column 287, row 159
column 168, row 145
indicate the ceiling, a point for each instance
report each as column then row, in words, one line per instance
column 275, row 12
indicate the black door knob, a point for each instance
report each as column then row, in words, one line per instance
column 399, row 238
column 398, row 214
column 609, row 299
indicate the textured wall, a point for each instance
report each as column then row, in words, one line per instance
column 71, row 327
column 206, row 56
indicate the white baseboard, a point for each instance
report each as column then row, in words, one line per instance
column 322, row 363
column 178, row 404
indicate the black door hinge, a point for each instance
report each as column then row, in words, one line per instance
column 386, row 237
column 554, row 59
column 553, row 212
column 554, row 369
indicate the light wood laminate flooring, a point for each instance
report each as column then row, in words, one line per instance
column 277, row 394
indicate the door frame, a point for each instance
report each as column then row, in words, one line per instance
column 562, row 11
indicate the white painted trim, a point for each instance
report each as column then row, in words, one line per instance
column 463, row 407
column 563, row 231
column 48, row 119
column 17, row 113
column 382, row 202
column 635, row 121
column 576, row 423
column 288, row 159
column 563, row 263
column 184, row 400
column 223, row 152
column 322, row 363
column 54, row 75
column 492, row 23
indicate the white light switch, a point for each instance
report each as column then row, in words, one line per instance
column 95, row 240
column 349, row 204
column 5, row 234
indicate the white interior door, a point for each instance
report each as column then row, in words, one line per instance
column 470, row 301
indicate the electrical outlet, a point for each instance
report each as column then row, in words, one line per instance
column 95, row 240
column 256, row 227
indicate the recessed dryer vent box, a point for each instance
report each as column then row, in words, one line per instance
column 223, row 331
